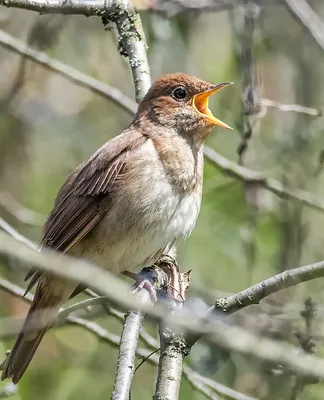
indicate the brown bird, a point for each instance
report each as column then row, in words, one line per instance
column 129, row 203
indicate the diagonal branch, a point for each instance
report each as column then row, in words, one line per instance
column 72, row 74
column 213, row 330
column 308, row 17
column 228, row 167
column 206, row 386
column 246, row 175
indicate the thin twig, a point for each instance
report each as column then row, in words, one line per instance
column 15, row 234
column 126, row 356
column 297, row 108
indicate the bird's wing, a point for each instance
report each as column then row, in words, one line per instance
column 86, row 196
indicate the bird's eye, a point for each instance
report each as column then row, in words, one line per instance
column 180, row 93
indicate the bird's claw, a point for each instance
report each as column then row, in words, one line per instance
column 142, row 282
column 146, row 284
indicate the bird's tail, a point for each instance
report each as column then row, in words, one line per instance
column 40, row 317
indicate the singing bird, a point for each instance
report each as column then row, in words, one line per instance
column 129, row 203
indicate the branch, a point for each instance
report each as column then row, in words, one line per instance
column 213, row 330
column 72, row 74
column 256, row 293
column 223, row 164
column 171, row 8
column 132, row 45
column 21, row 213
column 126, row 356
column 199, row 382
column 78, row 7
column 308, row 17
column 173, row 342
column 297, row 108
column 246, row 175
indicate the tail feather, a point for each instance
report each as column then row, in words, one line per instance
column 41, row 315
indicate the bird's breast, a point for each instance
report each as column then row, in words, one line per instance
column 148, row 215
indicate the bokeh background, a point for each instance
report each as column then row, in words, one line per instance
column 244, row 234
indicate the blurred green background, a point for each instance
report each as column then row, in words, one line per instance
column 244, row 234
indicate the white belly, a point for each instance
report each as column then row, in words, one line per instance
column 147, row 221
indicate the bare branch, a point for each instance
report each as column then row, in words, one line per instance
column 213, row 330
column 223, row 390
column 78, row 7
column 21, row 213
column 126, row 356
column 199, row 382
column 248, row 176
column 171, row 8
column 256, row 293
column 86, row 81
column 132, row 42
column 173, row 342
column 308, row 17
column 297, row 108
column 15, row 234
column 132, row 45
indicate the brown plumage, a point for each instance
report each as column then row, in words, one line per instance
column 129, row 203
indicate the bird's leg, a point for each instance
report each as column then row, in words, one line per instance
column 162, row 280
column 178, row 282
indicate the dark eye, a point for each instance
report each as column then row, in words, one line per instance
column 180, row 93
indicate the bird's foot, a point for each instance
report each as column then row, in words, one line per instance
column 142, row 282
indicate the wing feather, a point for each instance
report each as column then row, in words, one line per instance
column 86, row 196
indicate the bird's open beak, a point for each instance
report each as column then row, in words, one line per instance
column 200, row 103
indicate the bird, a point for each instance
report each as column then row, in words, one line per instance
column 128, row 204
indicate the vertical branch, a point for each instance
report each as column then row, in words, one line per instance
column 174, row 346
column 131, row 45
column 126, row 357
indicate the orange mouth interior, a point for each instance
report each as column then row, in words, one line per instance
column 200, row 103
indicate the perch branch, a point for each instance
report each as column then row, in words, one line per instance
column 199, row 382
column 132, row 45
column 173, row 344
column 214, row 330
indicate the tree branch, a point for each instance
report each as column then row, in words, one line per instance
column 256, row 293
column 199, row 382
column 132, row 45
column 223, row 164
column 309, row 19
column 243, row 174
column 213, row 330
column 72, row 74
column 173, row 342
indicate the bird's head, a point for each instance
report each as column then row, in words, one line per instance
column 180, row 102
